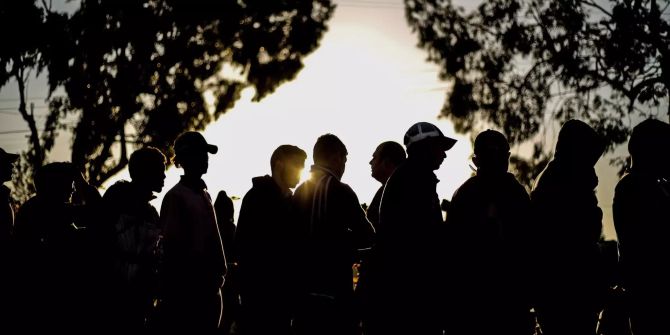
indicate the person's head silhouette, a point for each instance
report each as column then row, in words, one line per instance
column 578, row 144
column 287, row 163
column 191, row 153
column 7, row 161
column 330, row 153
column 427, row 145
column 386, row 158
column 648, row 145
column 147, row 168
column 55, row 181
column 491, row 152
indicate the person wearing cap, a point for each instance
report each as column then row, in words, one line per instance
column 264, row 248
column 7, row 161
column 487, row 223
column 567, row 227
column 194, row 264
column 641, row 218
column 330, row 230
column 405, row 269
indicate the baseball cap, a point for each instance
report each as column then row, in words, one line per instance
column 7, row 157
column 193, row 141
column 424, row 130
column 490, row 141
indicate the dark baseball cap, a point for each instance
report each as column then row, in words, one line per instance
column 193, row 141
column 421, row 131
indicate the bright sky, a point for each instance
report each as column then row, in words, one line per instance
column 366, row 83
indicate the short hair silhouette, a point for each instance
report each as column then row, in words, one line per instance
column 490, row 142
column 326, row 147
column 143, row 161
column 286, row 151
column 647, row 137
column 392, row 152
column 50, row 177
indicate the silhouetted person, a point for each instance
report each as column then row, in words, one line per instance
column 331, row 228
column 7, row 161
column 642, row 220
column 225, row 218
column 48, row 252
column 386, row 158
column 264, row 246
column 194, row 264
column 487, row 223
column 135, row 240
column 567, row 227
column 406, row 263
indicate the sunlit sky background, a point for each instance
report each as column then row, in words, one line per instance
column 366, row 83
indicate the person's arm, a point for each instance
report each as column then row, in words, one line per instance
column 362, row 231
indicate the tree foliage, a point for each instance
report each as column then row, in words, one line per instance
column 29, row 30
column 135, row 72
column 521, row 65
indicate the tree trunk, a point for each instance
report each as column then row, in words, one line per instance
column 35, row 154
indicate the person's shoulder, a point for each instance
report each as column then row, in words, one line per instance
column 175, row 192
column 470, row 185
column 117, row 189
column 633, row 182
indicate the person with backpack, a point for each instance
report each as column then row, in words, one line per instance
column 135, row 238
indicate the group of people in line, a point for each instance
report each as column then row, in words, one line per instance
column 503, row 261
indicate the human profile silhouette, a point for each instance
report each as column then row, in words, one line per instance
column 641, row 215
column 264, row 246
column 194, row 264
column 488, row 245
column 406, row 263
column 567, row 226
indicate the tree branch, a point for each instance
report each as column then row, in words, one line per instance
column 595, row 5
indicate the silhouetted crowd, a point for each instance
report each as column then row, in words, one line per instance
column 503, row 262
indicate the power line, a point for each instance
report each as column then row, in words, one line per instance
column 16, row 109
column 9, row 132
column 29, row 98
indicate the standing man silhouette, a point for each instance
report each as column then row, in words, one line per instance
column 264, row 245
column 386, row 158
column 135, row 238
column 567, row 227
column 194, row 262
column 642, row 221
column 330, row 230
column 487, row 223
column 405, row 264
